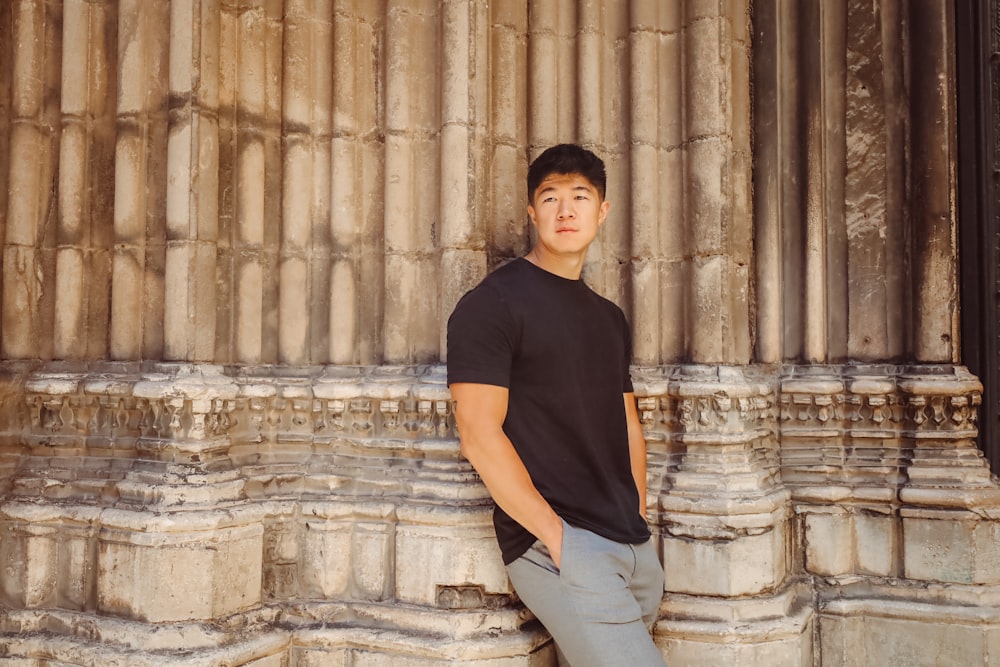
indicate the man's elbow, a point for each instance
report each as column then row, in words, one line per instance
column 468, row 444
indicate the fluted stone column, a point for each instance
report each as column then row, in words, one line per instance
column 140, row 183
column 192, row 207
column 250, row 181
column 876, row 422
column 86, row 159
column 305, row 199
column 30, row 224
column 357, row 207
column 658, row 264
column 412, row 174
column 464, row 126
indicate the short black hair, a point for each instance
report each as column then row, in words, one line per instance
column 567, row 159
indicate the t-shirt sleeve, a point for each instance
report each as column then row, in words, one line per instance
column 480, row 339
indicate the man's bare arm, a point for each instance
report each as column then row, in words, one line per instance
column 636, row 449
column 480, row 410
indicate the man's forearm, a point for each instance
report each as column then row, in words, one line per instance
column 636, row 450
column 502, row 471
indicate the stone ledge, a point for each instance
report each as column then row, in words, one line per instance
column 396, row 632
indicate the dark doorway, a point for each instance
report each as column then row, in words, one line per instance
column 977, row 43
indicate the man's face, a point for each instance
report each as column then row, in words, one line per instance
column 567, row 211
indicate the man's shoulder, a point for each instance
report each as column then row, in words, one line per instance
column 498, row 284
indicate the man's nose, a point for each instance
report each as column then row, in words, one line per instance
column 565, row 209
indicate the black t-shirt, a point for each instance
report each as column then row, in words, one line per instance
column 563, row 352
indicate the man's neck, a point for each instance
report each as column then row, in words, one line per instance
column 565, row 267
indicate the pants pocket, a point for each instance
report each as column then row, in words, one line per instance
column 594, row 576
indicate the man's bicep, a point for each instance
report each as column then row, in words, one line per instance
column 479, row 405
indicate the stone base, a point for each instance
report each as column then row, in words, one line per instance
column 305, row 634
column 897, row 625
column 754, row 632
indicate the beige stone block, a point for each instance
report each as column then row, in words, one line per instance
column 344, row 291
column 645, row 48
column 130, row 184
column 459, row 58
column 29, row 59
column 645, row 300
column 297, row 196
column 345, row 214
column 829, row 542
column 708, row 317
column 744, row 565
column 794, row 652
column 399, row 194
column 204, row 185
column 326, row 568
column 192, row 188
column 276, row 660
column 126, row 299
column 542, row 89
column 74, row 160
column 76, row 51
column 992, row 653
column 29, row 145
column 876, row 543
column 897, row 641
column 507, row 231
column 183, row 19
column 47, row 559
column 412, row 84
column 708, row 167
column 461, row 270
column 293, row 311
column 179, row 178
column 248, row 309
column 166, row 573
column 508, row 84
column 371, row 555
column 709, row 109
column 189, row 313
column 411, row 294
column 460, row 216
column 135, row 41
column 646, row 201
column 656, row 16
column 429, row 557
column 332, row 657
column 69, row 334
column 956, row 549
column 250, row 195
column 251, row 64
column 31, row 560
column 297, row 75
column 21, row 270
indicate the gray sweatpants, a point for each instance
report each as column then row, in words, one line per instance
column 600, row 605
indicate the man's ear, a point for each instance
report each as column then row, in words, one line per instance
column 531, row 214
column 603, row 215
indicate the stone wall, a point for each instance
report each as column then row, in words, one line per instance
column 232, row 232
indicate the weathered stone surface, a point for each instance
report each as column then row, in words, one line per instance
column 314, row 184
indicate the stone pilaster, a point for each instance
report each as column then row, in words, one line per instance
column 723, row 518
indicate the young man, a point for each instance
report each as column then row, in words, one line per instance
column 538, row 366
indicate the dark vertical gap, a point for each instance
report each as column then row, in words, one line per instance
column 977, row 41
